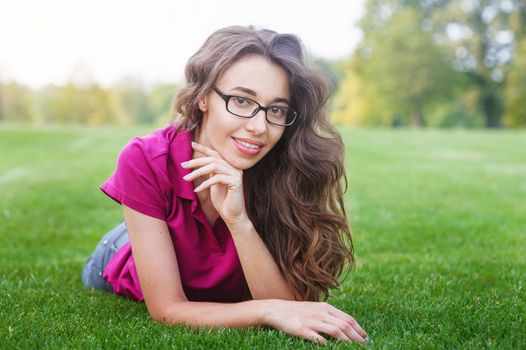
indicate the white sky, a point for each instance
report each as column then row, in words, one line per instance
column 43, row 41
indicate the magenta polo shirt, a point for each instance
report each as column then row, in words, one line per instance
column 148, row 178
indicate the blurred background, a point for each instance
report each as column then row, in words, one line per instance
column 391, row 63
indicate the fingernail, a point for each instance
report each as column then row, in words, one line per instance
column 186, row 176
column 184, row 163
column 194, row 144
column 366, row 339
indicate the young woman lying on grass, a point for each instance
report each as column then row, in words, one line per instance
column 233, row 213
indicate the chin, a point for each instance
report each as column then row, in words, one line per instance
column 243, row 164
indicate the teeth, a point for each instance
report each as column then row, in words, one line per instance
column 248, row 145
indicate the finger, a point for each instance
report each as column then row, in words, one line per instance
column 331, row 330
column 348, row 318
column 197, row 162
column 214, row 180
column 210, row 169
column 315, row 337
column 205, row 150
column 358, row 328
column 346, row 328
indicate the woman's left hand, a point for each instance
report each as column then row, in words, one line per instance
column 224, row 181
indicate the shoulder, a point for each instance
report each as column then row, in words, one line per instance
column 151, row 146
column 157, row 155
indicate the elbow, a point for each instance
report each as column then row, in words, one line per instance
column 159, row 315
column 169, row 314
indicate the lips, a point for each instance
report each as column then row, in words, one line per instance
column 247, row 146
column 250, row 142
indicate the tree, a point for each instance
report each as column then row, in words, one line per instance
column 518, row 20
column 18, row 103
column 481, row 36
column 515, row 90
column 354, row 103
column 402, row 71
column 88, row 104
column 161, row 101
column 130, row 100
column 479, row 33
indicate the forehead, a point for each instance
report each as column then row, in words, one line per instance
column 267, row 79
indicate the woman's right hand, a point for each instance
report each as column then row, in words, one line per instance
column 309, row 319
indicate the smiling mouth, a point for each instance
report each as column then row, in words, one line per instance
column 247, row 143
column 247, row 147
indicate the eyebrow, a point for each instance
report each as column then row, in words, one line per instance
column 253, row 93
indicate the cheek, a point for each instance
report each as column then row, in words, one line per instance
column 218, row 127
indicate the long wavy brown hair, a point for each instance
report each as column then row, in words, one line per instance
column 295, row 193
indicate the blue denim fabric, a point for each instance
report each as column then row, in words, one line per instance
column 107, row 247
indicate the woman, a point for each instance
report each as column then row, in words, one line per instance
column 234, row 212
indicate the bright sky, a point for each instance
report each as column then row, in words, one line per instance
column 43, row 42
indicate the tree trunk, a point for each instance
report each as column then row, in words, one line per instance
column 491, row 108
column 417, row 120
column 491, row 119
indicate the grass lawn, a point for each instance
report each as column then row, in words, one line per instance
column 438, row 218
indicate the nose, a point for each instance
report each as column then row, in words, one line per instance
column 258, row 123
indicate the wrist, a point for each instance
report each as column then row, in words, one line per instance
column 240, row 226
column 262, row 311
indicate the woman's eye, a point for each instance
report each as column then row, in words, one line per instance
column 277, row 110
column 240, row 100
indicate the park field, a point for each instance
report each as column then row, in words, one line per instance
column 439, row 229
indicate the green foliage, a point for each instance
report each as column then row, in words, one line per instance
column 17, row 103
column 518, row 20
column 132, row 102
column 515, row 90
column 402, row 73
column 419, row 61
column 125, row 103
column 85, row 105
column 350, row 104
column 438, row 227
column 477, row 33
column 332, row 72
column 161, row 102
column 458, row 113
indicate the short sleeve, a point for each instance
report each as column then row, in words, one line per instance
column 134, row 182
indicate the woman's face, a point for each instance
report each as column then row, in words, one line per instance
column 242, row 142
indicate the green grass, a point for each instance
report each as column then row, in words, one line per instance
column 438, row 219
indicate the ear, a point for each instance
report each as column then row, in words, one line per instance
column 202, row 104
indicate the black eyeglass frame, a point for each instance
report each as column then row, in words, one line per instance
column 227, row 98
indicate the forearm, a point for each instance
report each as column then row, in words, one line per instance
column 199, row 314
column 263, row 275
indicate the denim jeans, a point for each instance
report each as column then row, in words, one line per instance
column 107, row 247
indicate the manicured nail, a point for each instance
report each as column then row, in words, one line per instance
column 367, row 339
column 184, row 163
column 194, row 144
column 197, row 188
column 186, row 176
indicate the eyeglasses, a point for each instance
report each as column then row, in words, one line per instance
column 247, row 108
